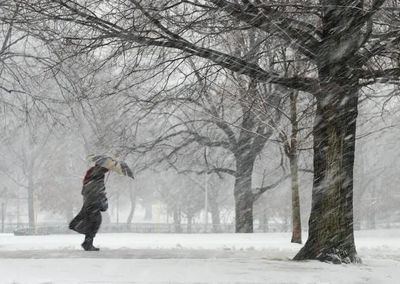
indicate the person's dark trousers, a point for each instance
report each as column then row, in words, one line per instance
column 87, row 222
column 93, row 221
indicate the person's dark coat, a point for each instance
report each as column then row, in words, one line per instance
column 95, row 200
column 93, row 190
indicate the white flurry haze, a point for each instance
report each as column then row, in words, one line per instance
column 261, row 138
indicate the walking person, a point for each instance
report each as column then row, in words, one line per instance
column 95, row 201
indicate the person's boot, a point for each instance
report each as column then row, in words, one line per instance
column 87, row 245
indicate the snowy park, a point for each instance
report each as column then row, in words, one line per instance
column 191, row 258
column 199, row 141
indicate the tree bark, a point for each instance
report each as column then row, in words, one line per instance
column 294, row 171
column 148, row 211
column 331, row 235
column 3, row 215
column 177, row 220
column 132, row 199
column 31, row 205
column 216, row 220
column 264, row 221
column 189, row 224
column 371, row 213
column 296, row 217
column 244, row 199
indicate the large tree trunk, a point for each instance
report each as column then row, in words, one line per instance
column 189, row 224
column 244, row 198
column 177, row 220
column 264, row 221
column 296, row 217
column 294, row 171
column 371, row 211
column 331, row 235
column 31, row 204
column 132, row 199
column 216, row 220
column 3, row 215
column 148, row 211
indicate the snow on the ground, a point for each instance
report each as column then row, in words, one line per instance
column 190, row 258
column 152, row 241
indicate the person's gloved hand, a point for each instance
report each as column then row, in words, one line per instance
column 103, row 204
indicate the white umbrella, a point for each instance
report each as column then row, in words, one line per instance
column 112, row 164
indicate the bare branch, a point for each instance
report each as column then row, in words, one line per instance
column 257, row 192
column 268, row 20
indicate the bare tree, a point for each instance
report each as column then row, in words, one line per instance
column 226, row 121
column 27, row 152
column 348, row 49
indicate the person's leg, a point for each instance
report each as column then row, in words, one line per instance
column 88, row 243
column 94, row 220
column 96, row 223
column 74, row 224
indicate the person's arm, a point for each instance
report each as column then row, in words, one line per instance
column 103, row 202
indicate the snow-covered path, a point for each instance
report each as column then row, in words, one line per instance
column 191, row 271
column 197, row 258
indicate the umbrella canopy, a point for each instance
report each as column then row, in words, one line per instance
column 110, row 163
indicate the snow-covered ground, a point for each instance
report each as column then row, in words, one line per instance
column 194, row 258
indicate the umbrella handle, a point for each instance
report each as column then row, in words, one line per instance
column 108, row 174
